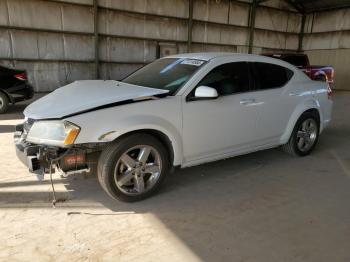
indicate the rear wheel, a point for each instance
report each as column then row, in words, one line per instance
column 305, row 135
column 4, row 103
column 133, row 168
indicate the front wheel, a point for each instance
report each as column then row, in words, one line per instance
column 305, row 135
column 133, row 168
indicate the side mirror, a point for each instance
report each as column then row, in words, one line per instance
column 205, row 92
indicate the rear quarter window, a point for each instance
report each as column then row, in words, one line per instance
column 267, row 76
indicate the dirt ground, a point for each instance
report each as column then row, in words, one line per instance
column 265, row 206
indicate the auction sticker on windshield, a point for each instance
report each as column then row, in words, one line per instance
column 194, row 62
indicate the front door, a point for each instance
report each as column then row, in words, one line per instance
column 217, row 127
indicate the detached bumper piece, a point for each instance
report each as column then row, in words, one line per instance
column 27, row 153
column 28, row 157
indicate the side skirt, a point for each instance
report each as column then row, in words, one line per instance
column 228, row 155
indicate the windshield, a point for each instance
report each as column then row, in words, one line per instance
column 167, row 73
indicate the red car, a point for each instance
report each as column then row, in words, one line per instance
column 315, row 72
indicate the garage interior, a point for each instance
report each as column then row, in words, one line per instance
column 86, row 39
column 265, row 206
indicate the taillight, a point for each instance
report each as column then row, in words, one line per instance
column 21, row 76
column 329, row 92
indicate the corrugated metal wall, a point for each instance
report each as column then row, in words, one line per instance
column 52, row 40
column 55, row 39
column 327, row 42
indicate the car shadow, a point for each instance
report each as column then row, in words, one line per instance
column 87, row 188
column 7, row 128
column 191, row 184
column 27, row 183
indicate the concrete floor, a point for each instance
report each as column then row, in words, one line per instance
column 265, row 206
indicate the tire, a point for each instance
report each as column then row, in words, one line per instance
column 321, row 78
column 127, row 180
column 295, row 144
column 4, row 103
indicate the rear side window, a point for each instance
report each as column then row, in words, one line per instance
column 228, row 78
column 267, row 76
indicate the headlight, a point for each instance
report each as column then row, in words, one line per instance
column 55, row 133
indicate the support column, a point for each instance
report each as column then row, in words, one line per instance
column 251, row 25
column 190, row 25
column 96, row 40
column 301, row 33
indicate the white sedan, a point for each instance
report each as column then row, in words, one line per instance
column 178, row 111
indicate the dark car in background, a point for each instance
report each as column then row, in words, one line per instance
column 14, row 87
column 315, row 72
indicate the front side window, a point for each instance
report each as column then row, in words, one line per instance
column 267, row 76
column 228, row 78
column 167, row 73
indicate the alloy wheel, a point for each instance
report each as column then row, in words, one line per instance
column 307, row 134
column 138, row 170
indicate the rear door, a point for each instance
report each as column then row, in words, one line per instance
column 273, row 91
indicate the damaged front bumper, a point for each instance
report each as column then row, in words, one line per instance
column 41, row 158
column 27, row 153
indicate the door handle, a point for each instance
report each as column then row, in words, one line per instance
column 247, row 101
column 294, row 94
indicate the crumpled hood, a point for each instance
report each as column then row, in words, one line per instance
column 80, row 96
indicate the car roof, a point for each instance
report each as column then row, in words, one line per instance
column 211, row 55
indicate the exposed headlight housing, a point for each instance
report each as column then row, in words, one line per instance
column 53, row 132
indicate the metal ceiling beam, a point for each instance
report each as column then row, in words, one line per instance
column 296, row 6
column 332, row 8
column 311, row 8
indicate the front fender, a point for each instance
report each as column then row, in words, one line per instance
column 299, row 110
column 107, row 131
column 143, row 122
